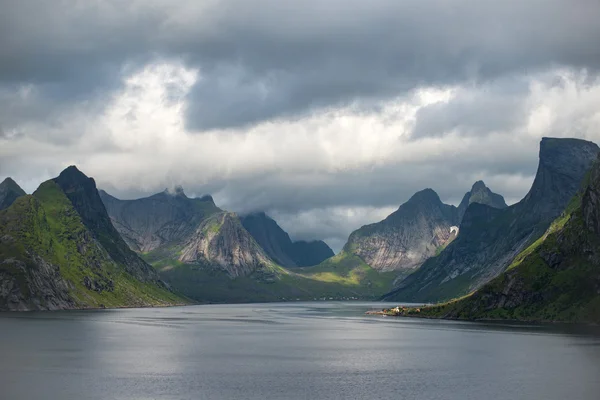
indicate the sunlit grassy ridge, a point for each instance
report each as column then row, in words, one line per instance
column 46, row 226
column 533, row 288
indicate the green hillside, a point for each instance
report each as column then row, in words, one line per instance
column 49, row 259
column 556, row 279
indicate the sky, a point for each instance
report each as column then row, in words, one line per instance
column 326, row 114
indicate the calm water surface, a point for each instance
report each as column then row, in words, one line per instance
column 288, row 351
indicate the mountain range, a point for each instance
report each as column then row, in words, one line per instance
column 421, row 228
column 212, row 255
column 71, row 246
column 491, row 238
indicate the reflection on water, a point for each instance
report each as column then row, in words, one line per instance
column 289, row 351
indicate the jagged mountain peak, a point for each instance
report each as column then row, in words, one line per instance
column 408, row 236
column 481, row 194
column 10, row 182
column 72, row 174
column 82, row 192
column 426, row 195
column 479, row 185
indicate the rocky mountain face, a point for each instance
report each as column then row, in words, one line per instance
column 407, row 237
column 210, row 256
column 490, row 239
column 171, row 228
column 160, row 220
column 556, row 279
column 58, row 250
column 9, row 192
column 222, row 240
column 480, row 194
column 278, row 245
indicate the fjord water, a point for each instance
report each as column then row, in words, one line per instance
column 288, row 351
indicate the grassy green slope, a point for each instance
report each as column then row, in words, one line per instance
column 341, row 277
column 556, row 279
column 47, row 226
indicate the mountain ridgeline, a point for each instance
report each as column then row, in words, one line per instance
column 491, row 238
column 406, row 238
column 59, row 250
column 278, row 245
column 171, row 226
column 421, row 228
column 70, row 246
column 212, row 255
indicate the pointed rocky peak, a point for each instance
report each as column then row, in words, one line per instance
column 481, row 194
column 83, row 194
column 72, row 176
column 425, row 196
column 9, row 183
column 408, row 236
column 9, row 192
column 479, row 186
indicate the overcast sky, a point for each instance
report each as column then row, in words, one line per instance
column 326, row 114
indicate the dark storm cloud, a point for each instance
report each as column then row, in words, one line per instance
column 265, row 58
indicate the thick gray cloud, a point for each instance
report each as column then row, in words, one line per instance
column 264, row 59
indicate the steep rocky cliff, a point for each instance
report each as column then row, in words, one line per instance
column 171, row 227
column 556, row 279
column 480, row 194
column 9, row 192
column 490, row 239
column 165, row 218
column 407, row 237
column 278, row 245
column 221, row 240
column 58, row 250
